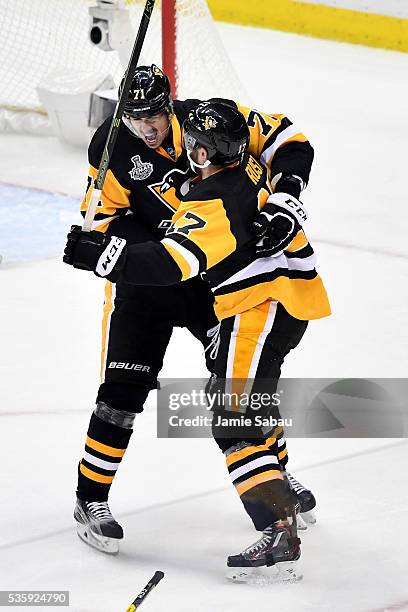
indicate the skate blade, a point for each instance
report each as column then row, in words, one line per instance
column 285, row 572
column 308, row 517
column 109, row 546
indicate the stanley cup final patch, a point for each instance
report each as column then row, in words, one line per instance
column 141, row 170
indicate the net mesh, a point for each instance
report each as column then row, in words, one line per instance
column 41, row 36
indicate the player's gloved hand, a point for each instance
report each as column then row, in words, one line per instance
column 278, row 223
column 95, row 252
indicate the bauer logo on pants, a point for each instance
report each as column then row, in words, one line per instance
column 122, row 365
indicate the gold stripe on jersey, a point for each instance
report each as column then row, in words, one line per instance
column 104, row 226
column 114, row 196
column 252, row 482
column 263, row 195
column 258, row 134
column 286, row 136
column 95, row 476
column 299, row 137
column 179, row 257
column 107, row 312
column 303, row 299
column 265, row 134
column 289, row 278
column 298, row 242
column 104, row 448
column 212, row 236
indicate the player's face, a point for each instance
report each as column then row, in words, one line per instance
column 152, row 130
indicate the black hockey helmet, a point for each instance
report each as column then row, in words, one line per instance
column 150, row 93
column 220, row 128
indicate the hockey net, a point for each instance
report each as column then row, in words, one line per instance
column 41, row 36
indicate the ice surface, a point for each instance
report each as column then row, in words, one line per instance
column 35, row 223
column 173, row 497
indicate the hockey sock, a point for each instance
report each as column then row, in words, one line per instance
column 105, row 446
column 256, row 473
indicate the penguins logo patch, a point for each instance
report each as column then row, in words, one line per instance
column 210, row 123
column 141, row 170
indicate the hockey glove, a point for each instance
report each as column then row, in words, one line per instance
column 95, row 252
column 278, row 223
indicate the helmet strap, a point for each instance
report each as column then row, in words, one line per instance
column 194, row 164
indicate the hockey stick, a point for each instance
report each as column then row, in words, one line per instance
column 114, row 128
column 144, row 593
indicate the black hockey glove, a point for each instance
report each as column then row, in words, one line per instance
column 95, row 252
column 278, row 223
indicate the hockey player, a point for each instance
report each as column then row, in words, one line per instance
column 263, row 301
column 148, row 174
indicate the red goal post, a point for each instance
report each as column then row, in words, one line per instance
column 169, row 35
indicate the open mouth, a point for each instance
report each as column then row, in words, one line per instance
column 151, row 138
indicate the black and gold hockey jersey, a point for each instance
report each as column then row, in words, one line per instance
column 211, row 235
column 150, row 183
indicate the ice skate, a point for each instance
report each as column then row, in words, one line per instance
column 271, row 559
column 306, row 501
column 97, row 527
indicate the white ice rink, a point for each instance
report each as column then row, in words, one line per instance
column 178, row 509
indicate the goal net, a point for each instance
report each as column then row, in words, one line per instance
column 42, row 36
